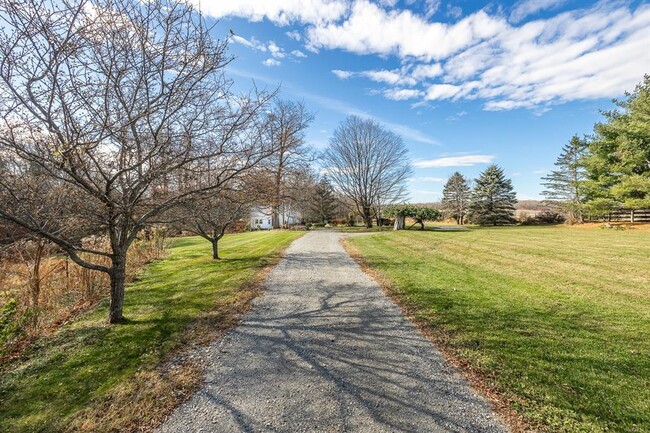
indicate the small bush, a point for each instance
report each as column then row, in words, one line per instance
column 545, row 217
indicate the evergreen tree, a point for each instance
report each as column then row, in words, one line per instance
column 455, row 197
column 566, row 184
column 493, row 199
column 619, row 163
column 324, row 201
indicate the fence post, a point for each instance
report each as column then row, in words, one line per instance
column 632, row 216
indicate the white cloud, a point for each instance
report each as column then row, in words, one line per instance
column 281, row 12
column 343, row 75
column 455, row 161
column 401, row 94
column 595, row 52
column 298, row 53
column 271, row 62
column 379, row 76
column 276, row 51
column 295, row 35
column 524, row 8
column 372, row 29
column 421, row 72
column 442, row 91
column 388, row 77
column 252, row 43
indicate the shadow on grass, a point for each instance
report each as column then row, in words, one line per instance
column 90, row 360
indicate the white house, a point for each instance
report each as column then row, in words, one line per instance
column 261, row 218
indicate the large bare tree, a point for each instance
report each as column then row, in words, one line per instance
column 368, row 164
column 287, row 124
column 123, row 108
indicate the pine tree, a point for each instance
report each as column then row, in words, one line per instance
column 566, row 184
column 493, row 199
column 455, row 197
column 618, row 166
column 324, row 201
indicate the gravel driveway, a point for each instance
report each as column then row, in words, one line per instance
column 324, row 350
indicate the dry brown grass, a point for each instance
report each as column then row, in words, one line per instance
column 65, row 289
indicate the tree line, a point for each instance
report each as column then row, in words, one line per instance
column 608, row 170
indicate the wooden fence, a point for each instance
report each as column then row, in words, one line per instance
column 624, row 215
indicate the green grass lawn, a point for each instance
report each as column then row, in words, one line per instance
column 90, row 376
column 555, row 319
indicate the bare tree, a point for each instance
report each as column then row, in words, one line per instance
column 368, row 164
column 287, row 124
column 210, row 215
column 122, row 106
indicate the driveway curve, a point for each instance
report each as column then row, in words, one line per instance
column 324, row 350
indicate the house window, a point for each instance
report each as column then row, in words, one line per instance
column 269, row 221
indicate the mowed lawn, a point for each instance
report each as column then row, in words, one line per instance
column 93, row 377
column 556, row 319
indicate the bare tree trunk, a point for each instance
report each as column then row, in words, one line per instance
column 275, row 217
column 215, row 248
column 117, row 275
column 399, row 222
column 367, row 217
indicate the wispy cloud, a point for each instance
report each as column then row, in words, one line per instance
column 345, row 108
column 402, row 94
column 524, row 8
column 380, row 76
column 454, row 161
column 295, row 35
column 279, row 12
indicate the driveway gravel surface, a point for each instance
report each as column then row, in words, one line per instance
column 324, row 350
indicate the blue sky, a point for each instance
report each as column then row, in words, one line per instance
column 464, row 83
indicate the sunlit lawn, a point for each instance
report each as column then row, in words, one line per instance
column 556, row 318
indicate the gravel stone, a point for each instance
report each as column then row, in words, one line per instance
column 324, row 350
